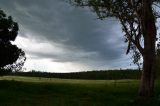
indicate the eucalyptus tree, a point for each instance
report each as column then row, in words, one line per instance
column 138, row 21
column 9, row 53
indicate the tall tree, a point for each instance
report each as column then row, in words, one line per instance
column 9, row 53
column 138, row 20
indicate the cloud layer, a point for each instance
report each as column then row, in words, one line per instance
column 62, row 33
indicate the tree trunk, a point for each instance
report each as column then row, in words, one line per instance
column 149, row 33
column 148, row 76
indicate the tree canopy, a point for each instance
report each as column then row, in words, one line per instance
column 9, row 53
column 129, row 13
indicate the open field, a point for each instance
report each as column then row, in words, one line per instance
column 31, row 91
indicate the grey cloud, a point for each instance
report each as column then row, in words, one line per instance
column 76, row 29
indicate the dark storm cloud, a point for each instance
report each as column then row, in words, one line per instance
column 84, row 37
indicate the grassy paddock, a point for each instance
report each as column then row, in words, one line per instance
column 31, row 91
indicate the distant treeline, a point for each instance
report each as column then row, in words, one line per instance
column 91, row 75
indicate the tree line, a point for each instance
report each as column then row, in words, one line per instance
column 89, row 75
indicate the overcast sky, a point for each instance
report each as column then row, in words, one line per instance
column 58, row 37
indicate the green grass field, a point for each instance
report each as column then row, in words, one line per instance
column 31, row 91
